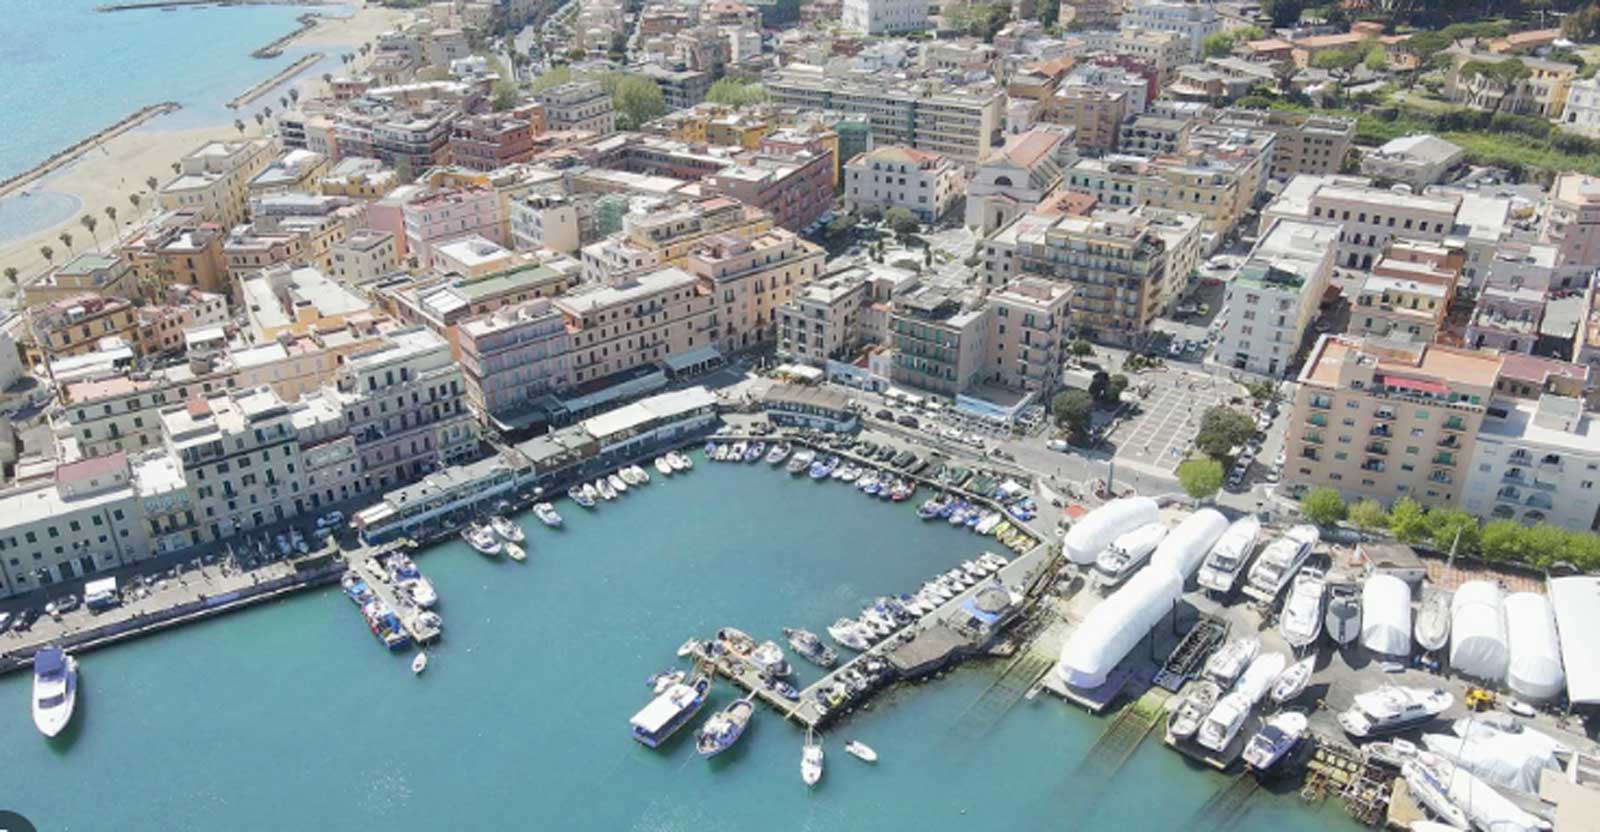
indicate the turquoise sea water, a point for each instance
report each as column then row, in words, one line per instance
column 291, row 716
column 67, row 70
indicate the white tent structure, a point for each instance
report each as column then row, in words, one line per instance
column 1478, row 631
column 1116, row 625
column 1577, row 605
column 1386, row 615
column 1087, row 537
column 1183, row 550
column 1534, row 667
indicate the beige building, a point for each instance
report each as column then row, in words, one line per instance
column 637, row 321
column 939, row 341
column 824, row 319
column 926, row 184
column 88, row 272
column 1094, row 114
column 239, row 454
column 1399, row 308
column 749, row 279
column 1385, row 420
column 1027, row 321
column 297, row 301
column 1306, row 142
column 664, row 238
column 213, row 181
column 1372, row 217
column 82, row 521
column 959, row 122
column 363, row 257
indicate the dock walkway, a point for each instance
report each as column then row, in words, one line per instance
column 366, row 565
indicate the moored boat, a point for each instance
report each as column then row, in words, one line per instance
column 617, row 483
column 735, row 641
column 55, row 689
column 861, row 751
column 640, row 476
column 779, row 453
column 680, row 462
column 811, row 760
column 515, row 552
column 1301, row 622
column 1393, row 709
column 657, row 721
column 1274, row 741
column 851, row 633
column 603, row 486
column 1185, row 718
column 507, row 530
column 547, row 515
column 663, row 466
column 768, row 660
column 579, row 496
column 725, row 727
column 800, row 461
column 810, row 647
column 483, row 539
column 1343, row 619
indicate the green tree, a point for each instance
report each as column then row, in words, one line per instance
column 1080, row 348
column 1283, row 13
column 1074, row 410
column 871, row 214
column 1323, row 506
column 1376, row 60
column 902, row 222
column 553, row 77
column 1445, row 524
column 1502, row 540
column 1406, row 521
column 505, row 98
column 730, row 92
column 637, row 100
column 1369, row 515
column 11, row 277
column 1114, row 390
column 1200, row 478
column 1221, row 430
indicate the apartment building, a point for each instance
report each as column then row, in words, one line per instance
column 1399, row 308
column 680, row 86
column 449, row 214
column 405, row 403
column 1537, row 455
column 1384, row 420
column 750, row 278
column 1306, row 142
column 493, row 140
column 1582, row 113
column 363, row 257
column 1270, row 301
column 1148, row 134
column 1027, row 321
column 82, row 521
column 1194, row 21
column 1094, row 114
column 1014, row 180
column 926, row 184
column 1414, row 161
column 939, row 341
column 292, row 229
column 297, row 169
column 177, row 249
column 885, row 17
column 579, row 105
column 546, row 221
column 637, row 321
column 1163, row 50
column 664, row 238
column 513, row 357
column 1572, row 224
column 358, row 178
column 1506, row 318
column 86, row 273
column 961, row 123
column 823, row 319
column 239, row 455
column 213, row 180
column 1372, row 217
column 76, row 325
column 1541, row 91
column 282, row 300
column 795, row 190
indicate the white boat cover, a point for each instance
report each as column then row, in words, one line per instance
column 1386, row 615
column 1507, row 728
column 1098, row 528
column 1478, row 631
column 1577, row 605
column 1187, row 546
column 1534, row 651
column 1114, row 626
column 1499, row 760
column 1485, row 807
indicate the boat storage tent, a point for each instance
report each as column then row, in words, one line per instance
column 1186, row 547
column 1577, row 606
column 1534, row 667
column 1386, row 615
column 1478, row 631
column 1116, row 625
column 1098, row 528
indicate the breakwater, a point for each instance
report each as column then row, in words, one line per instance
column 308, row 21
column 260, row 89
column 62, row 157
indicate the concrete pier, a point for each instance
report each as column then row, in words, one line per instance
column 371, row 571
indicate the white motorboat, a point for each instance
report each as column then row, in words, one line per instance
column 1281, row 559
column 515, row 552
column 1223, row 723
column 617, row 483
column 800, row 462
column 1185, row 718
column 663, row 466
column 1292, row 681
column 662, row 682
column 806, row 643
column 1226, row 664
column 1427, row 781
column 1433, row 621
column 483, row 539
column 658, row 721
column 603, row 486
column 640, row 476
column 506, row 529
column 420, row 663
column 1274, row 741
column 1391, row 709
column 768, row 659
column 861, row 751
column 680, row 462
column 779, row 453
column 590, row 493
column 993, row 561
column 547, row 515
column 851, row 633
column 1127, row 553
column 1343, row 618
column 1301, row 622
column 1228, row 557
column 811, row 760
column 55, row 689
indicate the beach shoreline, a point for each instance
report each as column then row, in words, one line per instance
column 103, row 174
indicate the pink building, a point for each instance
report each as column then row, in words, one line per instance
column 444, row 215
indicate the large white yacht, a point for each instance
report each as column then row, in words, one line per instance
column 1391, row 709
column 1226, row 562
column 1281, row 559
column 55, row 689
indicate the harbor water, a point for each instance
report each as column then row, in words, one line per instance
column 292, row 716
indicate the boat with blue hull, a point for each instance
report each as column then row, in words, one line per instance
column 725, row 727
column 656, row 722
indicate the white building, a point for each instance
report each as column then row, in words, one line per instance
column 1195, row 21
column 1418, row 161
column 926, row 184
column 1014, row 180
column 1271, row 299
column 1536, row 462
column 878, row 17
column 1582, row 114
column 579, row 105
column 545, row 221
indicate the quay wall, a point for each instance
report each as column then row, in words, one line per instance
column 69, row 153
column 308, row 22
column 277, row 78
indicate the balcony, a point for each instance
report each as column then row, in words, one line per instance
column 1383, row 413
column 1444, row 459
column 1318, row 419
column 1312, row 436
column 1310, row 453
column 1381, row 430
column 1455, row 423
column 1514, row 475
column 1439, row 477
column 1377, row 449
column 1451, row 442
column 1321, row 402
column 1375, row 465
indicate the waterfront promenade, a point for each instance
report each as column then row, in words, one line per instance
column 70, row 153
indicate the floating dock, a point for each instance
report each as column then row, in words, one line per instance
column 368, row 568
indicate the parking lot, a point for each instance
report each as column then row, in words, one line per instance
column 1160, row 435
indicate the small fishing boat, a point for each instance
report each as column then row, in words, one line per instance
column 1185, row 718
column 507, row 530
column 656, row 722
column 768, row 659
column 1293, row 680
column 1343, row 620
column 547, row 515
column 755, row 452
column 735, row 641
column 1274, row 741
column 1433, row 621
column 580, row 496
column 680, row 462
column 811, row 760
column 861, row 751
column 663, row 466
column 810, row 647
column 800, row 462
column 603, row 486
column 735, row 453
column 420, row 663
column 849, row 473
column 661, row 682
column 483, row 539
column 779, row 453
column 515, row 552
column 688, row 647
column 851, row 633
column 617, row 483
column 930, row 508
column 993, row 561
column 591, row 492
column 641, row 476
column 725, row 727
column 1226, row 664
column 782, row 688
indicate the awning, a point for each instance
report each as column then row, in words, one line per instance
column 1430, row 387
column 692, row 358
column 1577, row 605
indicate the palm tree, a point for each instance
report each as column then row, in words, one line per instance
column 294, row 95
column 267, row 111
column 66, row 239
column 239, row 125
column 327, row 78
column 260, row 119
column 111, row 214
column 11, row 275
column 283, row 100
column 49, row 254
column 88, row 221
column 151, row 182
column 177, row 168
column 134, row 198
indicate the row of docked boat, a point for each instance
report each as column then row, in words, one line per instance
column 616, row 484
column 1459, row 776
column 381, row 619
column 887, row 614
column 1235, row 679
column 976, row 518
column 497, row 535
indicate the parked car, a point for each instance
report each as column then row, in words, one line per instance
column 1057, row 445
column 330, row 520
column 885, row 414
column 909, row 421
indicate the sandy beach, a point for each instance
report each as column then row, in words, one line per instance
column 108, row 173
